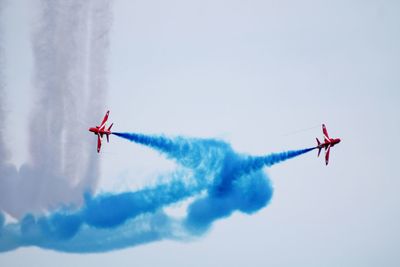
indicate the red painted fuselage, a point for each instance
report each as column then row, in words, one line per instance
column 331, row 142
column 97, row 131
column 327, row 144
column 101, row 130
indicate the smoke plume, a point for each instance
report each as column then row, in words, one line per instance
column 69, row 46
column 217, row 180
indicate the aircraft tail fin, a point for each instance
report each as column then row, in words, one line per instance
column 109, row 128
column 318, row 146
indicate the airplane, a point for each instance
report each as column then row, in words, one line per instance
column 327, row 144
column 101, row 130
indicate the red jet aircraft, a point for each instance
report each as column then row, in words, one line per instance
column 327, row 144
column 101, row 130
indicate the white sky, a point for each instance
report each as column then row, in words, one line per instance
column 248, row 72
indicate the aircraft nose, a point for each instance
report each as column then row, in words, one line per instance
column 339, row 140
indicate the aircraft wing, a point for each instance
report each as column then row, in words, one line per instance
column 328, row 149
column 103, row 123
column 98, row 143
column 326, row 135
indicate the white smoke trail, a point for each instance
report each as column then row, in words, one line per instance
column 75, row 91
column 67, row 72
column 4, row 154
column 3, row 151
column 100, row 22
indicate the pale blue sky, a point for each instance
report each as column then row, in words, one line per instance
column 248, row 72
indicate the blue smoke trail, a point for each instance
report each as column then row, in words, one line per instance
column 219, row 180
